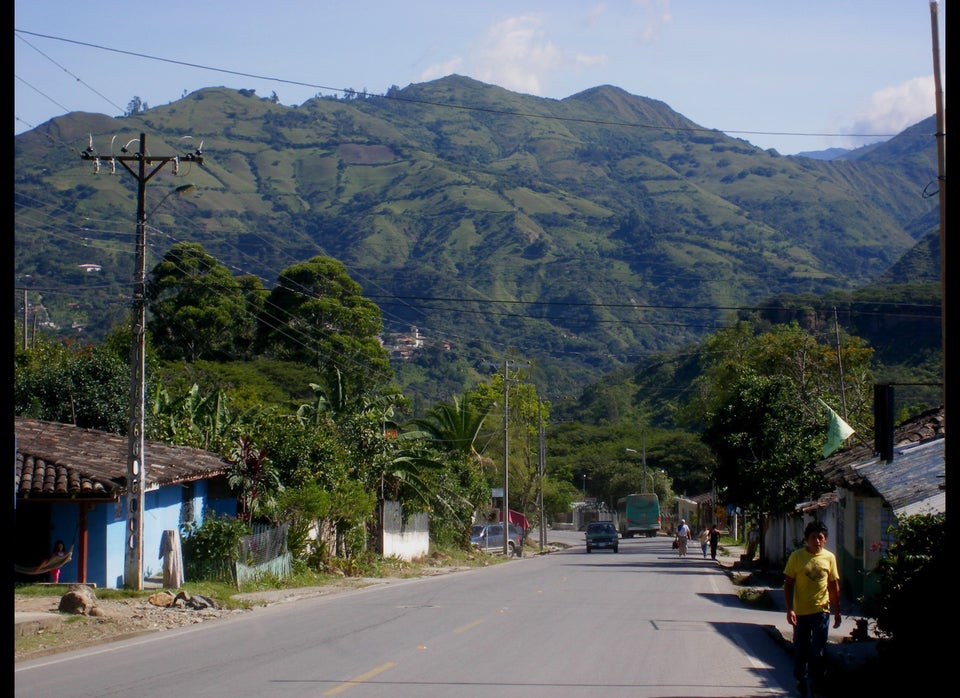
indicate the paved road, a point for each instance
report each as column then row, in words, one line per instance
column 637, row 623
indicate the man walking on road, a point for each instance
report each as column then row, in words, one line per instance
column 683, row 535
column 811, row 585
column 714, row 541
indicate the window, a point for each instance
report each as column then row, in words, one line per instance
column 187, row 493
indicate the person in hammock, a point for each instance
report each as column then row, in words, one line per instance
column 59, row 550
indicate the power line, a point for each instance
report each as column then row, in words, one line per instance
column 447, row 105
column 75, row 77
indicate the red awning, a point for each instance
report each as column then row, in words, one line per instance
column 518, row 519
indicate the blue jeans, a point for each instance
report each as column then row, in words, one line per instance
column 809, row 649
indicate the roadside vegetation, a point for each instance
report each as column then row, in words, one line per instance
column 293, row 389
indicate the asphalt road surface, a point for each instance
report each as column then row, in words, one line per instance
column 641, row 622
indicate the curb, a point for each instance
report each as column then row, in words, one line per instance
column 33, row 622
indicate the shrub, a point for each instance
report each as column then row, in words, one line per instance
column 913, row 569
column 211, row 548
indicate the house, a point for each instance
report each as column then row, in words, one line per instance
column 874, row 488
column 70, row 484
column 900, row 474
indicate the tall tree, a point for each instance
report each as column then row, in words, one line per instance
column 317, row 315
column 88, row 386
column 452, row 429
column 199, row 310
column 525, row 411
column 758, row 396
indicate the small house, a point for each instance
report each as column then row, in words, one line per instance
column 70, row 484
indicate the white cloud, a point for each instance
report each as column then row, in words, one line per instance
column 440, row 70
column 591, row 61
column 894, row 108
column 516, row 54
column 595, row 14
column 656, row 15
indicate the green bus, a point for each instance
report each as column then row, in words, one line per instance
column 638, row 515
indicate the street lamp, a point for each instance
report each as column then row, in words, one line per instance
column 643, row 443
column 584, row 487
column 179, row 191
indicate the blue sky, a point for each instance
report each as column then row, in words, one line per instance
column 763, row 70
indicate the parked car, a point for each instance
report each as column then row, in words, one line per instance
column 602, row 534
column 489, row 538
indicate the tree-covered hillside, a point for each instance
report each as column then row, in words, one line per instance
column 580, row 235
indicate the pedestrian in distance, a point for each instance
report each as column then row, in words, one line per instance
column 704, row 539
column 753, row 539
column 683, row 535
column 811, row 586
column 714, row 541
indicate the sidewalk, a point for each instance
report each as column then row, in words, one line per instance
column 32, row 623
column 748, row 575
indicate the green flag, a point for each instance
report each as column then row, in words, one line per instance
column 838, row 431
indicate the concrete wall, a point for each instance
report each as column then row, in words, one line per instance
column 784, row 534
column 405, row 539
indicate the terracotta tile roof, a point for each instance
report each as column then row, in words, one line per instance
column 61, row 461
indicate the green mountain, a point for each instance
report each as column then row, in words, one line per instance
column 578, row 235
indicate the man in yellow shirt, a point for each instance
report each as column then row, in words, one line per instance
column 811, row 585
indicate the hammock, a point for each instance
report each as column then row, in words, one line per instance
column 47, row 565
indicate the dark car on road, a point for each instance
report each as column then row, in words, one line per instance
column 489, row 538
column 602, row 535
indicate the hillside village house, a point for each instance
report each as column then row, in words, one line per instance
column 70, row 485
column 878, row 484
column 901, row 474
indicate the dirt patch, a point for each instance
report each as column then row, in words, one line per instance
column 116, row 619
column 110, row 619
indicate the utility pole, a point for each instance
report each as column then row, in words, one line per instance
column 506, row 456
column 942, row 190
column 643, row 446
column 136, row 467
column 24, row 319
column 505, row 513
column 541, row 468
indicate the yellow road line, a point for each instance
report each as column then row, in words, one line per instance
column 468, row 626
column 360, row 679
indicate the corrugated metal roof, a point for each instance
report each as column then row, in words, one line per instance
column 910, row 483
column 61, row 461
column 815, row 505
column 913, row 476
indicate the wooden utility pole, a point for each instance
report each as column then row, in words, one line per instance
column 505, row 516
column 541, row 468
column 136, row 467
column 24, row 319
column 942, row 187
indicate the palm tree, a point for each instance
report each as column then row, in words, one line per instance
column 454, row 427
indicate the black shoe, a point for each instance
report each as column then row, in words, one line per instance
column 802, row 688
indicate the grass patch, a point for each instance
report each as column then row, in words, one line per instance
column 221, row 593
column 758, row 598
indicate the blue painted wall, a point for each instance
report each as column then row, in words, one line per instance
column 106, row 531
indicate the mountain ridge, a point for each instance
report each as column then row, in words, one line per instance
column 590, row 231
